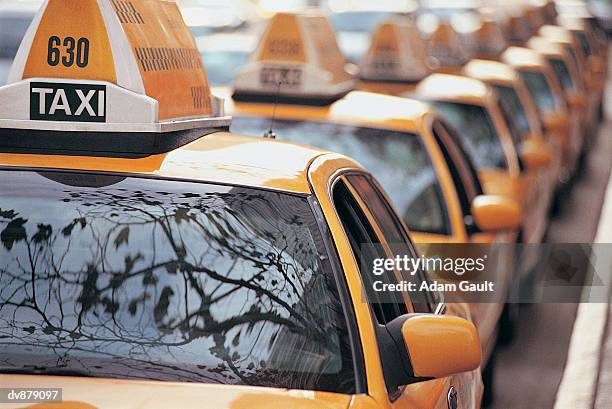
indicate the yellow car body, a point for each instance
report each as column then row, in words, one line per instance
column 567, row 74
column 552, row 106
column 509, row 86
column 592, row 69
column 235, row 160
column 502, row 172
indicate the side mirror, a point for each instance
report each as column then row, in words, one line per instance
column 535, row 154
column 576, row 101
column 419, row 347
column 592, row 83
column 441, row 346
column 556, row 122
column 494, row 213
column 598, row 65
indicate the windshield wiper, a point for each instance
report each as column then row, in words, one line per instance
column 42, row 370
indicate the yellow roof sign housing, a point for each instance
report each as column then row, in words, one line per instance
column 397, row 54
column 107, row 67
column 297, row 60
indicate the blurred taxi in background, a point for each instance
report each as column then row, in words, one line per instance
column 599, row 12
column 590, row 68
column 231, row 263
column 568, row 75
column 517, row 104
column 547, row 92
column 499, row 143
column 595, row 50
column 496, row 147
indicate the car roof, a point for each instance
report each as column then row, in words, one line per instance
column 544, row 46
column 455, row 88
column 355, row 108
column 523, row 57
column 220, row 157
column 487, row 70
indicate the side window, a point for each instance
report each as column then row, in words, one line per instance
column 464, row 199
column 465, row 177
column 390, row 226
column 366, row 247
column 392, row 230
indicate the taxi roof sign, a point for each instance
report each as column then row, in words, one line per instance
column 297, row 60
column 397, row 54
column 445, row 46
column 489, row 39
column 107, row 67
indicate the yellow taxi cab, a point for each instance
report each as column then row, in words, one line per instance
column 568, row 75
column 582, row 20
column 503, row 137
column 592, row 71
column 152, row 258
column 516, row 103
column 595, row 49
column 591, row 40
column 494, row 145
column 554, row 111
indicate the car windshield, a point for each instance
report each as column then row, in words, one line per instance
column 398, row 160
column 584, row 43
column 133, row 278
column 358, row 21
column 540, row 91
column 222, row 66
column 563, row 74
column 480, row 137
column 12, row 30
column 511, row 102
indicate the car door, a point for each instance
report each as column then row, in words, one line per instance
column 362, row 194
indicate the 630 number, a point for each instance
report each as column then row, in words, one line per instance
column 74, row 52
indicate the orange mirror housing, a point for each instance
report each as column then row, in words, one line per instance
column 496, row 213
column 441, row 346
column 576, row 101
column 556, row 122
column 535, row 154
